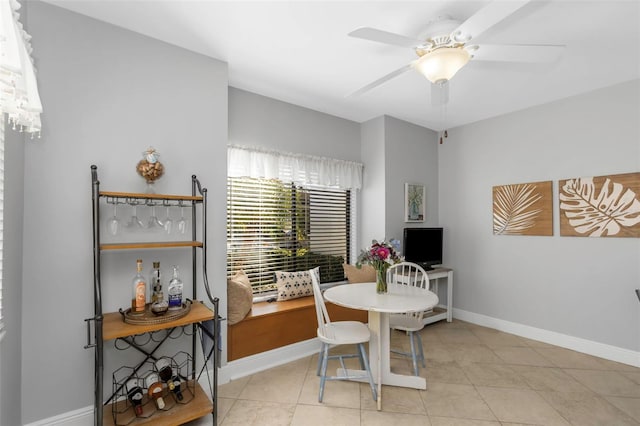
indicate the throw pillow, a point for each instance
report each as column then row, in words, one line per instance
column 239, row 297
column 292, row 285
column 366, row 274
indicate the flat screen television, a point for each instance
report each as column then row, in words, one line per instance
column 423, row 246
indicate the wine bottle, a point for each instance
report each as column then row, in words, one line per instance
column 139, row 287
column 176, row 387
column 134, row 394
column 163, row 366
column 175, row 291
column 165, row 372
column 154, row 388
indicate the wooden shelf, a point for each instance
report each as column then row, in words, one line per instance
column 199, row 406
column 150, row 245
column 143, row 196
column 438, row 314
column 113, row 326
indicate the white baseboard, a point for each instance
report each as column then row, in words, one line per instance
column 265, row 360
column 79, row 417
column 601, row 350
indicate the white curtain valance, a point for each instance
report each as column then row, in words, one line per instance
column 298, row 168
column 19, row 96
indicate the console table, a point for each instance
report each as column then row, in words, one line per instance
column 441, row 311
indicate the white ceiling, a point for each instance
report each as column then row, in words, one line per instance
column 299, row 51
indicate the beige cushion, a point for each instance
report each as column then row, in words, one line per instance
column 366, row 274
column 239, row 297
column 292, row 285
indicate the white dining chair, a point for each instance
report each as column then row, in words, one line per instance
column 414, row 275
column 339, row 333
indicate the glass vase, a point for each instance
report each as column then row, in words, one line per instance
column 381, row 280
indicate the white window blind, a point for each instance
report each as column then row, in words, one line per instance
column 280, row 226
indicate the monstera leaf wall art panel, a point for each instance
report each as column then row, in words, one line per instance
column 523, row 209
column 601, row 206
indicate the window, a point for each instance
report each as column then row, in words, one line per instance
column 275, row 226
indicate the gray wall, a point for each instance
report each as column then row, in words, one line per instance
column 373, row 203
column 108, row 94
column 580, row 287
column 256, row 120
column 411, row 155
column 10, row 347
column 395, row 152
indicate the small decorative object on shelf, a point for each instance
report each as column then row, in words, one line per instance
column 150, row 167
column 139, row 286
column 380, row 255
column 175, row 291
column 159, row 308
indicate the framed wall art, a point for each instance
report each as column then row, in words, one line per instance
column 523, row 209
column 414, row 202
column 600, row 206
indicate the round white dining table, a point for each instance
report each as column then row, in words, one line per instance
column 399, row 299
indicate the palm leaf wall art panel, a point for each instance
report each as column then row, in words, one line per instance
column 523, row 209
column 601, row 206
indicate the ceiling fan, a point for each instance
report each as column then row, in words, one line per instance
column 447, row 46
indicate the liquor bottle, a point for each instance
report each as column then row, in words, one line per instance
column 154, row 388
column 139, row 286
column 134, row 394
column 156, row 284
column 175, row 291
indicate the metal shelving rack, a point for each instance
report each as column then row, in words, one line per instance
column 110, row 326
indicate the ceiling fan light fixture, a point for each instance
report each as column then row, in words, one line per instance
column 442, row 64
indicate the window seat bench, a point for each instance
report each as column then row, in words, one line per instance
column 271, row 325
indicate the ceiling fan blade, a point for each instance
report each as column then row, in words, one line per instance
column 379, row 81
column 439, row 94
column 530, row 53
column 485, row 18
column 384, row 37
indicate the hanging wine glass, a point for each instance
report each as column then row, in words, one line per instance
column 182, row 223
column 168, row 223
column 135, row 222
column 154, row 223
column 114, row 223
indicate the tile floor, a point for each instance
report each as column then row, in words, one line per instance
column 475, row 376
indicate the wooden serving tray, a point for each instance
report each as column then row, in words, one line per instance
column 147, row 317
column 114, row 325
